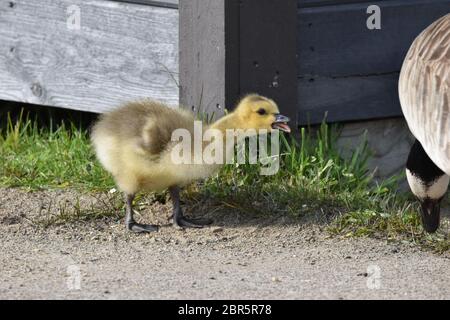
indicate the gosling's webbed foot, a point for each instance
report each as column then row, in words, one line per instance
column 142, row 228
column 178, row 219
column 183, row 222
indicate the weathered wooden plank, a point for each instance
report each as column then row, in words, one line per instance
column 203, row 59
column 348, row 98
column 164, row 3
column 121, row 52
column 334, row 40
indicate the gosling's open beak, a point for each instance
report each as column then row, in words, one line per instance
column 281, row 123
column 430, row 214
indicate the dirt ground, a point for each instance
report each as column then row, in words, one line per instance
column 238, row 257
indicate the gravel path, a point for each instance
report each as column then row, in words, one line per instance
column 237, row 258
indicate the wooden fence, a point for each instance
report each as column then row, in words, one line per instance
column 312, row 56
column 122, row 51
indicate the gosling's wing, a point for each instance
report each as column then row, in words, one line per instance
column 424, row 90
column 156, row 133
column 144, row 127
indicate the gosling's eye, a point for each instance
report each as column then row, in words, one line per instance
column 261, row 111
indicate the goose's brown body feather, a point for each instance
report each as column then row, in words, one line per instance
column 424, row 89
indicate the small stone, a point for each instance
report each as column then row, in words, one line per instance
column 275, row 279
column 363, row 274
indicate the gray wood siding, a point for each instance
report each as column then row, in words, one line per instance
column 156, row 3
column 203, row 63
column 122, row 52
column 349, row 71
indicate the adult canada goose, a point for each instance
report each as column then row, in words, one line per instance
column 424, row 89
column 134, row 143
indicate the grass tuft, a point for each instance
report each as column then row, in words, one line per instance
column 104, row 206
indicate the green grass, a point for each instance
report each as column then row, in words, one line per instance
column 105, row 206
column 313, row 178
column 38, row 158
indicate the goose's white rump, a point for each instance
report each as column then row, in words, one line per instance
column 424, row 90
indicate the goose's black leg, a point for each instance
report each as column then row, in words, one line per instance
column 130, row 223
column 178, row 219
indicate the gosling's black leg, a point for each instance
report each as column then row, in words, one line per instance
column 130, row 223
column 178, row 219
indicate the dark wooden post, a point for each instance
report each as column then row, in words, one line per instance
column 232, row 47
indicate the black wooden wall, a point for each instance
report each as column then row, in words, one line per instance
column 347, row 70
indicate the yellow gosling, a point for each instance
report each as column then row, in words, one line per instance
column 134, row 143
